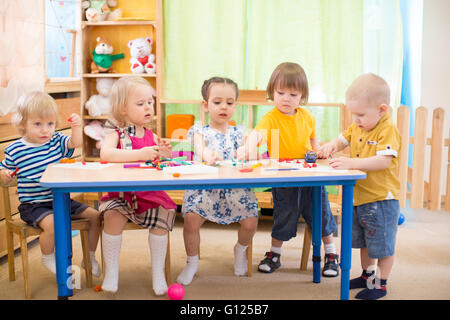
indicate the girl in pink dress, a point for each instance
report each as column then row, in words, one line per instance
column 132, row 108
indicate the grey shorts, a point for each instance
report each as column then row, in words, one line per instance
column 375, row 227
column 289, row 203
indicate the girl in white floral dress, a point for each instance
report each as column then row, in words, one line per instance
column 214, row 142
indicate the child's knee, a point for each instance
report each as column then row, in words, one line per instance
column 46, row 224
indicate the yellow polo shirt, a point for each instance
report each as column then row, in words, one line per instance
column 287, row 136
column 384, row 139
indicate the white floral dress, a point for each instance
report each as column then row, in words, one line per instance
column 223, row 206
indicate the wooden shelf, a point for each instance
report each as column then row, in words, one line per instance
column 117, row 75
column 56, row 85
column 118, row 23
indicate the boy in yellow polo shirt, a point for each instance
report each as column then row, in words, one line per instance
column 290, row 132
column 374, row 148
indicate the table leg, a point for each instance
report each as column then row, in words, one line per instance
column 63, row 242
column 316, row 231
column 346, row 239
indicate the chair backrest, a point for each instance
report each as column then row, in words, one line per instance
column 6, row 202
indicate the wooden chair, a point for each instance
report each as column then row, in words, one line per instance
column 132, row 226
column 19, row 227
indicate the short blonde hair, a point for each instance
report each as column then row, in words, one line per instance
column 289, row 75
column 119, row 96
column 371, row 88
column 34, row 104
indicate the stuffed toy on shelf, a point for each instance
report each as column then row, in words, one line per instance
column 95, row 130
column 142, row 60
column 100, row 10
column 98, row 104
column 102, row 57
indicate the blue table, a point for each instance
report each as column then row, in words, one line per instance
column 63, row 180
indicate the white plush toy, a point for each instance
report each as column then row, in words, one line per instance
column 142, row 60
column 98, row 104
column 96, row 131
column 99, row 10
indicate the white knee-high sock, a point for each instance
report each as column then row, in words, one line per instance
column 158, row 251
column 111, row 252
column 240, row 260
column 188, row 273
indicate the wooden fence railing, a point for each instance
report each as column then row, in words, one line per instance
column 423, row 194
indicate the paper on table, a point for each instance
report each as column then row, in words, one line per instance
column 191, row 169
column 319, row 168
column 87, row 166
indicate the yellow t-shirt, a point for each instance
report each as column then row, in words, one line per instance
column 384, row 139
column 287, row 136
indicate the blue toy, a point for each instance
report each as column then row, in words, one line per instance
column 310, row 157
column 401, row 219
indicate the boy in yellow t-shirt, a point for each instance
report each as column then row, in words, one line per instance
column 290, row 132
column 374, row 148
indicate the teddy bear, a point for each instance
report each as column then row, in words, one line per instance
column 99, row 10
column 102, row 57
column 142, row 60
column 96, row 131
column 98, row 104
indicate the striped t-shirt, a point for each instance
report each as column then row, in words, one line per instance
column 32, row 160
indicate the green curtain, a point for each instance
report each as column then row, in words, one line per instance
column 246, row 40
column 203, row 38
column 323, row 36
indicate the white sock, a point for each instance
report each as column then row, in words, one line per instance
column 330, row 248
column 158, row 251
column 189, row 271
column 111, row 252
column 240, row 260
column 96, row 270
column 275, row 249
column 49, row 261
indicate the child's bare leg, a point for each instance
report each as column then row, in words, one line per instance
column 191, row 235
column 191, row 232
column 245, row 235
column 114, row 223
column 385, row 264
column 94, row 228
column 157, row 242
column 366, row 262
column 47, row 243
column 47, row 236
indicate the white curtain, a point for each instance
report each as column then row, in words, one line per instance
column 21, row 50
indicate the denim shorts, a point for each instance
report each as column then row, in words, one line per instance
column 33, row 213
column 289, row 203
column 375, row 227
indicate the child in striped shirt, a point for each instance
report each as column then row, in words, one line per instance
column 36, row 120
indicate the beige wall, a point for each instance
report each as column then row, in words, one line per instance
column 435, row 90
column 21, row 50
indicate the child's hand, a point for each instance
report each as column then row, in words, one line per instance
column 5, row 176
column 326, row 151
column 165, row 148
column 241, row 154
column 149, row 153
column 74, row 120
column 211, row 157
column 341, row 163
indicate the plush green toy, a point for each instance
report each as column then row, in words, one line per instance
column 102, row 57
column 98, row 10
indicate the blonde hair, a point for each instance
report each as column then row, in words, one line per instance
column 34, row 104
column 371, row 88
column 288, row 75
column 119, row 96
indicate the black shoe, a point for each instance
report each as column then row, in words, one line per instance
column 270, row 263
column 331, row 267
